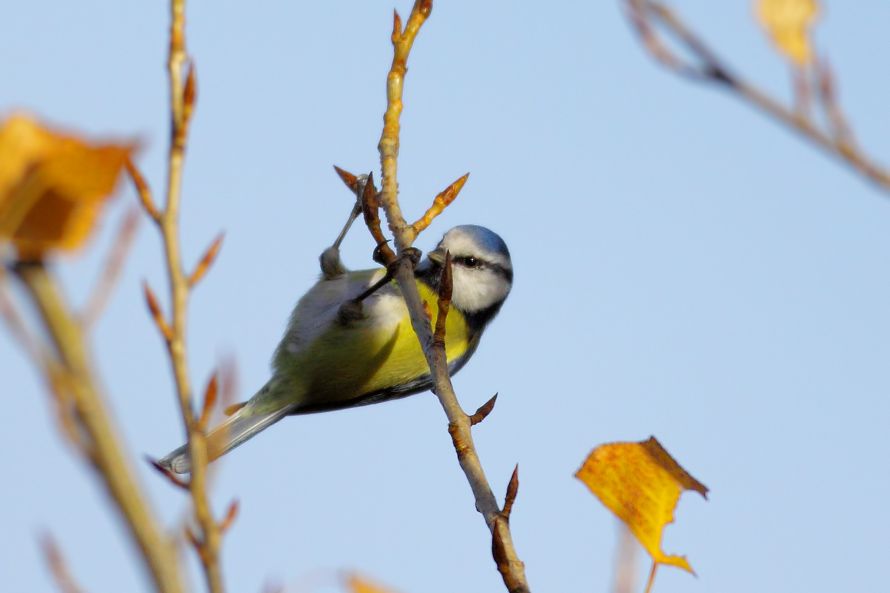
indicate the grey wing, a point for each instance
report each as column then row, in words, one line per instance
column 320, row 306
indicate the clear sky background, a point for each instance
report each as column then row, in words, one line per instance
column 684, row 269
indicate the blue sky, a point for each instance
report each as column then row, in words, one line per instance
column 684, row 269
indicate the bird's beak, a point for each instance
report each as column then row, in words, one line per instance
column 437, row 255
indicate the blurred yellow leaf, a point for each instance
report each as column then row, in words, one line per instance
column 52, row 186
column 788, row 23
column 641, row 483
column 358, row 584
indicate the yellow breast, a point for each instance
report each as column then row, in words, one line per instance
column 375, row 354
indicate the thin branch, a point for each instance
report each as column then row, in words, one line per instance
column 651, row 580
column 837, row 121
column 106, row 451
column 57, row 382
column 183, row 92
column 57, row 565
column 182, row 98
column 708, row 67
column 111, row 271
column 511, row 567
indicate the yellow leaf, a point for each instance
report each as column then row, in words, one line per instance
column 357, row 584
column 52, row 185
column 788, row 23
column 641, row 483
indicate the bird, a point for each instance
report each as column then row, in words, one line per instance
column 328, row 360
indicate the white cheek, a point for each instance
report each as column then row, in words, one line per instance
column 475, row 290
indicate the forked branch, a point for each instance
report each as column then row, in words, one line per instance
column 649, row 17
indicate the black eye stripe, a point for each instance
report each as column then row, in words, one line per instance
column 469, row 261
column 473, row 262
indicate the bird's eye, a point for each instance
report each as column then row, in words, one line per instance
column 469, row 261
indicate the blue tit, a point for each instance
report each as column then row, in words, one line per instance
column 329, row 361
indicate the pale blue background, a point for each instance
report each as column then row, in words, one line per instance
column 684, row 268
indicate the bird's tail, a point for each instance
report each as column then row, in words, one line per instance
column 238, row 428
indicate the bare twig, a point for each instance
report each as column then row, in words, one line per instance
column 651, row 580
column 644, row 14
column 106, row 451
column 830, row 104
column 66, row 414
column 511, row 567
column 182, row 97
column 111, row 271
column 182, row 102
column 57, row 565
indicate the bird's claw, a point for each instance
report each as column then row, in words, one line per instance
column 331, row 265
column 412, row 254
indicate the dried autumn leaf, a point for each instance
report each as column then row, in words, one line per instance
column 357, row 584
column 641, row 483
column 52, row 186
column 788, row 23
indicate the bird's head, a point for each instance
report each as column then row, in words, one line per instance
column 482, row 273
